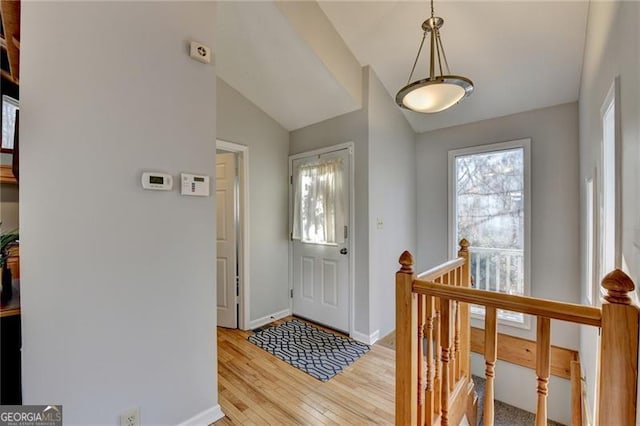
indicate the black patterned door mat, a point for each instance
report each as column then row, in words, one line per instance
column 316, row 352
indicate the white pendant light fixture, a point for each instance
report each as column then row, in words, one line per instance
column 437, row 92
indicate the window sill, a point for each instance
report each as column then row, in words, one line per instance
column 503, row 318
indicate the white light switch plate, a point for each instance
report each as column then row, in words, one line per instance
column 130, row 417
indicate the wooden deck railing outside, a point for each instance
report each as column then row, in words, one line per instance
column 498, row 269
column 433, row 378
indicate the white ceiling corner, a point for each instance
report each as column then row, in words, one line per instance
column 521, row 55
column 260, row 54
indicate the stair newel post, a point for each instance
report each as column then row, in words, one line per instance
column 490, row 354
column 618, row 351
column 406, row 343
column 543, row 347
column 465, row 317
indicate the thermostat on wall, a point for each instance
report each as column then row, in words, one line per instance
column 157, row 181
column 197, row 185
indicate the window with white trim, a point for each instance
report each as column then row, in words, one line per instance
column 608, row 206
column 489, row 206
column 589, row 237
column 9, row 109
column 318, row 212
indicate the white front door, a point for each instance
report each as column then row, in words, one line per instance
column 226, row 240
column 320, row 244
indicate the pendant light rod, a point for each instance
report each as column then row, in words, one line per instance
column 424, row 35
column 444, row 55
column 432, row 72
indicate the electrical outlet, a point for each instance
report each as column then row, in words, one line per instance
column 200, row 52
column 130, row 417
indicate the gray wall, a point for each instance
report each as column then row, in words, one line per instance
column 554, row 193
column 554, row 226
column 384, row 188
column 612, row 49
column 6, row 159
column 392, row 189
column 118, row 283
column 241, row 122
column 351, row 127
column 9, row 208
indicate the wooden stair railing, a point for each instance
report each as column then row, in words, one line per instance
column 618, row 352
column 433, row 377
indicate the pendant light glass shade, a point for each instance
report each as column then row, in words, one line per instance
column 437, row 92
column 434, row 96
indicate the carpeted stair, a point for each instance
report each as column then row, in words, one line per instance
column 505, row 414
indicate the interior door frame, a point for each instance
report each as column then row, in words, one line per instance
column 351, row 236
column 243, row 240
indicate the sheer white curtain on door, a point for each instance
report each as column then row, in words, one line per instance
column 318, row 215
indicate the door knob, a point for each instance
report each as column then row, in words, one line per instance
column 344, row 251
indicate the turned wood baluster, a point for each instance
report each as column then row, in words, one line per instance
column 421, row 362
column 453, row 313
column 437, row 381
column 447, row 280
column 455, row 279
column 456, row 343
column 576, row 394
column 445, row 342
column 406, row 343
column 618, row 351
column 428, row 332
column 455, row 346
column 543, row 348
column 490, row 352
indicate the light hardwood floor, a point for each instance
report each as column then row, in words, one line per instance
column 258, row 388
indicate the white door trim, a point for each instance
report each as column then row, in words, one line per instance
column 243, row 249
column 350, row 239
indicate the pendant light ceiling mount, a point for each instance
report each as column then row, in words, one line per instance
column 439, row 91
column 435, row 22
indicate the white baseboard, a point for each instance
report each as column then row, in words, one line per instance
column 368, row 339
column 253, row 324
column 206, row 417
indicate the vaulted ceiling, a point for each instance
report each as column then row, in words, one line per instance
column 299, row 61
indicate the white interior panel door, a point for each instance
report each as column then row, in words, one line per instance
column 226, row 240
column 321, row 268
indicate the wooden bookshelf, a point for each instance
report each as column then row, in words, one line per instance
column 6, row 175
column 10, row 15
